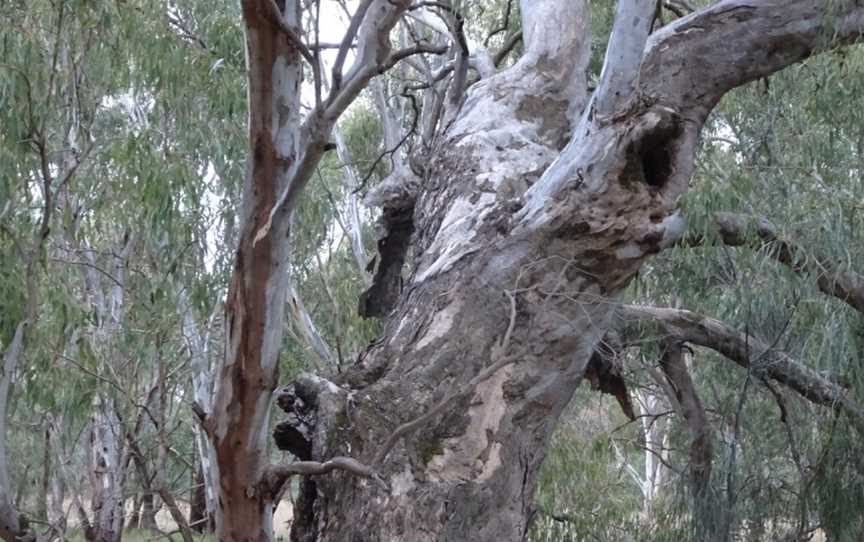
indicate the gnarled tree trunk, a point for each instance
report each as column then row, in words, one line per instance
column 534, row 208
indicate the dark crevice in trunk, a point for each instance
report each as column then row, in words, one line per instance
column 651, row 157
column 295, row 433
column 397, row 226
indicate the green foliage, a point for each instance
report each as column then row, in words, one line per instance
column 789, row 149
column 583, row 494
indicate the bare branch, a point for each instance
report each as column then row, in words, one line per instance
column 743, row 230
column 346, row 44
column 749, row 352
column 506, row 48
column 276, row 476
column 620, row 73
column 275, row 15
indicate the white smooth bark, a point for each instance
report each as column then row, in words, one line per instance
column 202, row 384
column 9, row 525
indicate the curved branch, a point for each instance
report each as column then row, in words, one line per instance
column 276, row 476
column 749, row 352
column 743, row 230
column 695, row 60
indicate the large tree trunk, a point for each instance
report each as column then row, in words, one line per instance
column 536, row 210
column 518, row 261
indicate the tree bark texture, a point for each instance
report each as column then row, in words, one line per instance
column 283, row 155
column 533, row 207
column 538, row 206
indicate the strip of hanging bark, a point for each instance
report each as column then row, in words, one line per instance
column 604, row 374
column 701, row 447
column 749, row 352
column 743, row 230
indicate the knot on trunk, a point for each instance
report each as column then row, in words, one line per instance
column 295, row 434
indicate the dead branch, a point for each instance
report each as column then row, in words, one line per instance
column 276, row 476
column 749, row 352
column 756, row 232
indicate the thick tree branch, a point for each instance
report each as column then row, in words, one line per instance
column 749, row 352
column 620, row 73
column 693, row 61
column 744, row 230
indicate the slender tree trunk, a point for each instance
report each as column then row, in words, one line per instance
column 10, row 526
column 135, row 516
column 202, row 384
column 45, row 481
column 148, row 511
column 106, row 472
column 199, row 518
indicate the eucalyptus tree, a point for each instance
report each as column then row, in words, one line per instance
column 45, row 117
column 536, row 199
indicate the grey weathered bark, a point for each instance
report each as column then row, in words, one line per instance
column 519, row 249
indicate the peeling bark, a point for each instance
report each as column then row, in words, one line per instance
column 538, row 207
column 283, row 155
